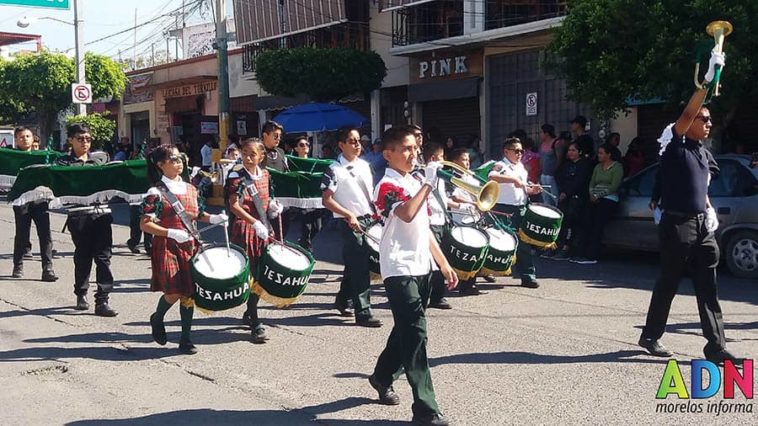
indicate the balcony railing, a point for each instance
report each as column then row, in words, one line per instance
column 446, row 18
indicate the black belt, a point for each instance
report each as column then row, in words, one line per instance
column 682, row 214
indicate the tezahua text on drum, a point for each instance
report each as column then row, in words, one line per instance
column 282, row 279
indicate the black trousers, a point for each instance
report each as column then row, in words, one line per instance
column 687, row 248
column 24, row 215
column 356, row 278
column 135, row 233
column 93, row 240
column 436, row 279
column 310, row 226
column 600, row 214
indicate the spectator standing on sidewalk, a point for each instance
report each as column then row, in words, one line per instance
column 551, row 151
column 573, row 179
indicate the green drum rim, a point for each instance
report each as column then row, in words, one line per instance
column 220, row 286
column 489, row 260
column 268, row 272
column 461, row 257
column 539, row 230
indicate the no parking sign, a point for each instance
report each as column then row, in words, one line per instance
column 81, row 93
column 531, row 103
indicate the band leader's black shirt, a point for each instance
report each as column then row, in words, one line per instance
column 276, row 160
column 683, row 175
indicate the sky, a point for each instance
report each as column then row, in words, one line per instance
column 103, row 18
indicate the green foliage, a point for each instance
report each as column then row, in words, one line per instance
column 101, row 128
column 322, row 74
column 611, row 51
column 105, row 75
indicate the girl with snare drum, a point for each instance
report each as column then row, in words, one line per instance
column 173, row 225
column 248, row 194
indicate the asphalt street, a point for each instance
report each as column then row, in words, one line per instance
column 565, row 353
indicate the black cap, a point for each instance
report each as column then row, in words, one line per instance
column 580, row 119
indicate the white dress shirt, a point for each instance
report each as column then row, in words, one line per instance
column 509, row 194
column 344, row 178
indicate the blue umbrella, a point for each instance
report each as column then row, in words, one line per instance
column 315, row 117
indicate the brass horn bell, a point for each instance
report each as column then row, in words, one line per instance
column 485, row 194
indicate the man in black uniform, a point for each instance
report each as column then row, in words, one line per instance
column 91, row 232
column 271, row 134
column 24, row 215
column 686, row 230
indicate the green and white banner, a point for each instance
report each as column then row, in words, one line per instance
column 13, row 160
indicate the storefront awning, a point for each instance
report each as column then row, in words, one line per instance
column 441, row 90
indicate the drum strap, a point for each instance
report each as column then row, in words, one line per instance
column 253, row 191
column 179, row 210
column 438, row 197
column 362, row 184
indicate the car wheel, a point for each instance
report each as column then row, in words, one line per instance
column 742, row 254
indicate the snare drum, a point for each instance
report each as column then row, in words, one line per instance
column 465, row 248
column 540, row 225
column 282, row 273
column 501, row 253
column 372, row 242
column 221, row 277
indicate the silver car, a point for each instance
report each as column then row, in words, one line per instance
column 734, row 195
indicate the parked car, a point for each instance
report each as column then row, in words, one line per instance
column 734, row 195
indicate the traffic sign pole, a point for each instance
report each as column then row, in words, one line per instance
column 81, row 109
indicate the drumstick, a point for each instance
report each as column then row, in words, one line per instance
column 226, row 235
column 369, row 236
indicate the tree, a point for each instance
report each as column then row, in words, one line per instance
column 322, row 74
column 41, row 82
column 612, row 51
column 101, row 127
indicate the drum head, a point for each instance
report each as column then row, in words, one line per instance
column 469, row 236
column 220, row 264
column 545, row 211
column 501, row 240
column 288, row 257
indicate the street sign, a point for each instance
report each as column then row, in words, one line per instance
column 531, row 103
column 81, row 93
column 49, row 4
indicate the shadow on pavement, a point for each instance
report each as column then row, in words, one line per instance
column 533, row 358
column 205, row 417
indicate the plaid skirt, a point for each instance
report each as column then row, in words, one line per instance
column 171, row 263
column 243, row 235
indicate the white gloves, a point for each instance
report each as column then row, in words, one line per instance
column 716, row 59
column 471, row 208
column 275, row 208
column 430, row 174
column 260, row 230
column 711, row 220
column 179, row 235
column 218, row 218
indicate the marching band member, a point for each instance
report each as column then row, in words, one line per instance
column 467, row 206
column 407, row 251
column 346, row 186
column 276, row 158
column 687, row 226
column 173, row 245
column 91, row 231
column 249, row 197
column 511, row 175
column 36, row 211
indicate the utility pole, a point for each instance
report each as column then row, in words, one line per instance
column 176, row 37
column 81, row 78
column 134, row 46
column 168, row 47
column 152, row 54
column 223, row 75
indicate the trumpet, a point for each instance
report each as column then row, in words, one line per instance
column 485, row 194
column 213, row 176
column 718, row 30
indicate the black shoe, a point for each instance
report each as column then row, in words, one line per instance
column 721, row 356
column 529, row 283
column 133, row 249
column 148, row 248
column 387, row 395
column 187, row 348
column 371, row 322
column 28, row 255
column 158, row 330
column 18, row 272
column 431, row 420
column 49, row 276
column 469, row 291
column 81, row 303
column 441, row 304
column 655, row 348
column 489, row 278
column 103, row 310
column 343, row 308
column 259, row 334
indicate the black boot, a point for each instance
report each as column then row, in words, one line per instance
column 81, row 302
column 18, row 271
column 48, row 275
column 103, row 310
